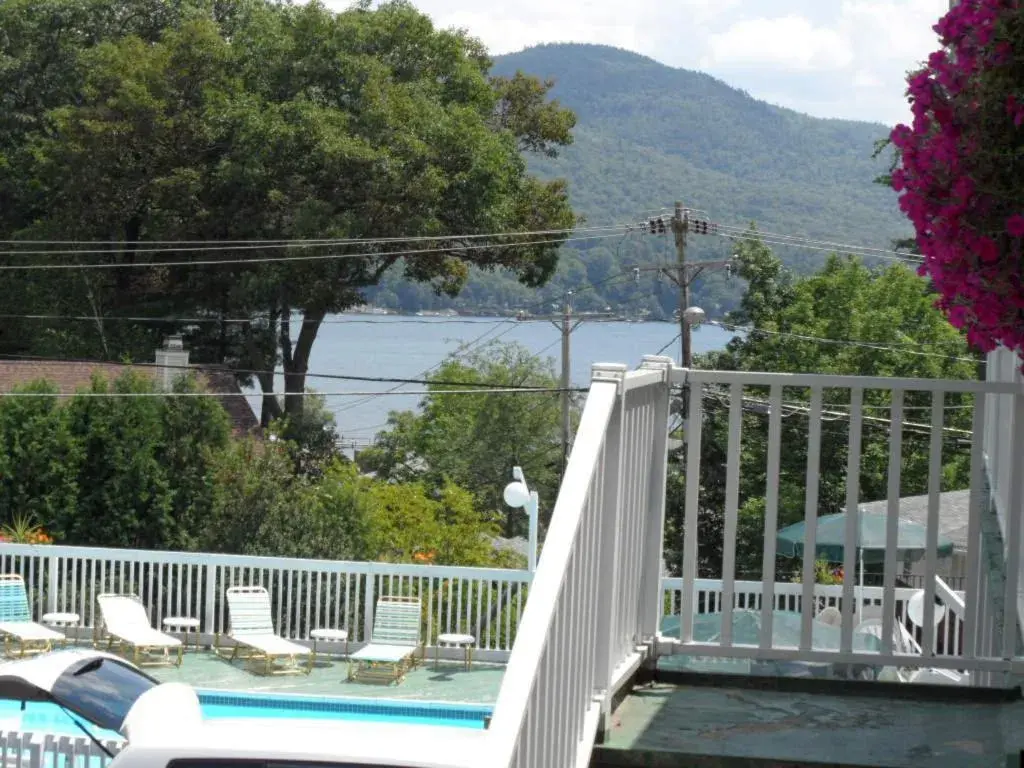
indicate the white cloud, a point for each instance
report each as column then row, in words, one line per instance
column 787, row 42
column 834, row 58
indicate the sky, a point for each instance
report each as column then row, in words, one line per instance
column 828, row 58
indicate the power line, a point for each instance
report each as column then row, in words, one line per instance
column 394, row 319
column 255, row 244
column 220, row 395
column 200, row 368
column 721, row 399
column 462, row 350
column 299, row 258
column 842, row 342
column 842, row 416
column 745, row 231
column 674, row 340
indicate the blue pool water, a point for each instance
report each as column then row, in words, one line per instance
column 48, row 718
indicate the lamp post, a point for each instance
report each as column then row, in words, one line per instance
column 518, row 495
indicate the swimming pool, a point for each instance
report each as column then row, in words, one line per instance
column 40, row 717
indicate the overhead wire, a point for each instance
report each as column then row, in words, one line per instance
column 477, row 391
column 296, row 258
column 785, row 238
column 253, row 244
column 842, row 342
column 200, row 368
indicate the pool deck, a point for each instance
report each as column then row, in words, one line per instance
column 707, row 726
column 450, row 683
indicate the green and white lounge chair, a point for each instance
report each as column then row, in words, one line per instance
column 22, row 635
column 393, row 646
column 251, row 627
column 126, row 623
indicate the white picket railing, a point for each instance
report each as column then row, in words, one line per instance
column 20, row 749
column 1004, row 448
column 306, row 594
column 979, row 651
column 593, row 603
column 788, row 596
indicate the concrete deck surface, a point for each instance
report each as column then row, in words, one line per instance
column 669, row 725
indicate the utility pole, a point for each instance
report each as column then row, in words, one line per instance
column 566, row 323
column 567, row 329
column 684, row 272
column 680, row 224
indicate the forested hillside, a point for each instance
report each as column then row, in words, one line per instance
column 648, row 134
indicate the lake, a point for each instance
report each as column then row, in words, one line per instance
column 410, row 347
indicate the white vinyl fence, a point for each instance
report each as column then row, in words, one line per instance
column 306, row 594
column 978, row 640
column 43, row 750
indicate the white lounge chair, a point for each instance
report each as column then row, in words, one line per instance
column 126, row 623
column 902, row 643
column 392, row 649
column 16, row 623
column 251, row 627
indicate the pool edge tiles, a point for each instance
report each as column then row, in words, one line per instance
column 442, row 713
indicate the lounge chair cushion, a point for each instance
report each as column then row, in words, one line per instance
column 383, row 653
column 29, row 630
column 147, row 637
column 125, row 617
column 272, row 645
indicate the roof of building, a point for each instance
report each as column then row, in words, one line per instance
column 954, row 511
column 71, row 376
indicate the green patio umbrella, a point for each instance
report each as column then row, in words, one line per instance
column 831, row 538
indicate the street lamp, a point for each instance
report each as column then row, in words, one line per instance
column 518, row 495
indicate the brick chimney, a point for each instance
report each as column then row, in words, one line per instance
column 172, row 360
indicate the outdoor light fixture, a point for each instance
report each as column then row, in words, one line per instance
column 519, row 496
column 694, row 315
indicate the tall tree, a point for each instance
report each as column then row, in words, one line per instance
column 278, row 122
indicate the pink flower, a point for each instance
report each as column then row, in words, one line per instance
column 951, row 181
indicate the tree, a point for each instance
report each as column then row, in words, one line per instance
column 960, row 166
column 39, row 460
column 412, row 523
column 283, row 122
column 142, row 475
column 474, row 439
column 125, row 498
column 194, row 431
column 884, row 323
column 262, row 507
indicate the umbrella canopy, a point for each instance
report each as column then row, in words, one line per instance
column 831, row 538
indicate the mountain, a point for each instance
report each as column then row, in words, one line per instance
column 648, row 134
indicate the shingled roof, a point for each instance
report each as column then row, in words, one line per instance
column 954, row 511
column 72, row 376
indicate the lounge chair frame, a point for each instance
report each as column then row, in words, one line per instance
column 14, row 610
column 250, row 615
column 397, row 622
column 141, row 654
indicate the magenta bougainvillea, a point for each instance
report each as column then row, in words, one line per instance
column 961, row 169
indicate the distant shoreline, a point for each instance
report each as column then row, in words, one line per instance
column 491, row 313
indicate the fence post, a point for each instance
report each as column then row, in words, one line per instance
column 210, row 616
column 368, row 606
column 609, row 516
column 54, row 580
column 651, row 607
